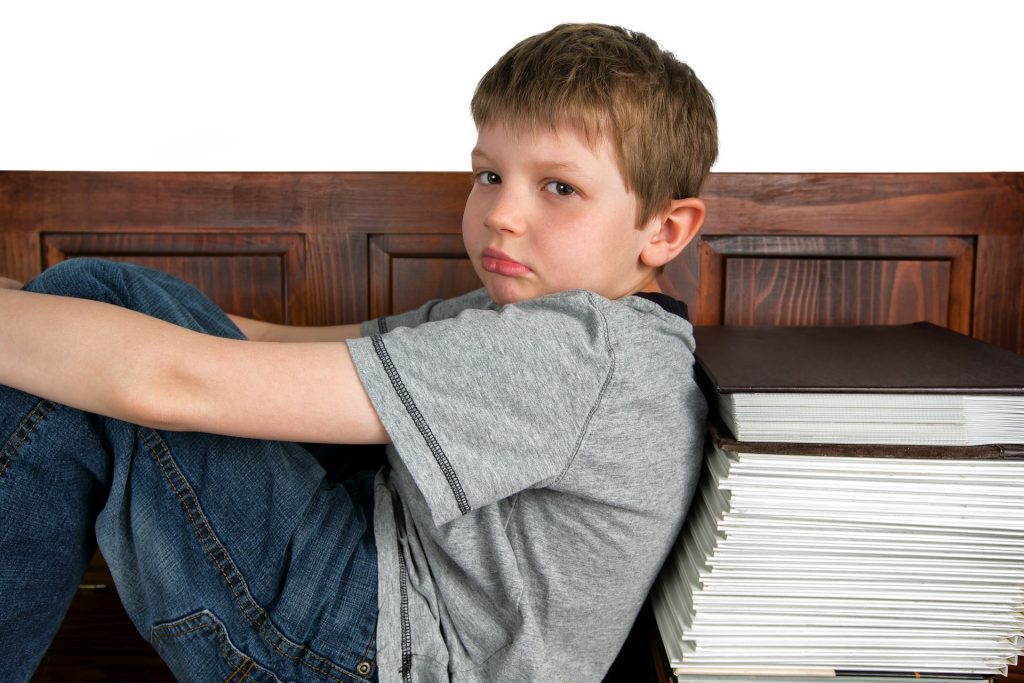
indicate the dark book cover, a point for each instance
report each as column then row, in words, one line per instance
column 919, row 358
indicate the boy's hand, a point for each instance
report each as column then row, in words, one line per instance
column 8, row 283
column 256, row 330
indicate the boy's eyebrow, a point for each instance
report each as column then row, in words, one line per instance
column 570, row 166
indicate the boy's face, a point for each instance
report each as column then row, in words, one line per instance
column 548, row 213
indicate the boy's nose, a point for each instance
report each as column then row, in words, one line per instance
column 504, row 215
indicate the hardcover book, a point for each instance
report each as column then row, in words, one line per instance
column 916, row 384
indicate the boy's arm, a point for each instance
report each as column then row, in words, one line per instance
column 115, row 362
column 257, row 330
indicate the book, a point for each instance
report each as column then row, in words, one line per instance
column 798, row 562
column 835, row 677
column 841, row 677
column 916, row 384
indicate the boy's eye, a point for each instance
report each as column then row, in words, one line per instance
column 488, row 178
column 560, row 188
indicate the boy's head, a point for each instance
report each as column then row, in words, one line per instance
column 592, row 146
column 606, row 81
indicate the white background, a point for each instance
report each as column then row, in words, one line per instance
column 315, row 85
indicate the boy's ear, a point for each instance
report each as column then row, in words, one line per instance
column 672, row 230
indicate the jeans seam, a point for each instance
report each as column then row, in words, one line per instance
column 35, row 417
column 184, row 633
column 201, row 617
column 255, row 614
column 234, row 672
column 242, row 675
column 244, row 664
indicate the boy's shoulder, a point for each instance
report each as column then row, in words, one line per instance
column 568, row 314
column 569, row 302
column 641, row 302
column 634, row 322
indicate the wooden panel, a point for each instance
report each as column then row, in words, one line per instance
column 19, row 255
column 406, row 271
column 999, row 290
column 863, row 203
column 243, row 202
column 985, row 207
column 780, row 280
column 818, row 291
column 259, row 276
column 335, row 290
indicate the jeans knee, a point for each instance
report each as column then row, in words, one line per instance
column 137, row 288
column 83, row 277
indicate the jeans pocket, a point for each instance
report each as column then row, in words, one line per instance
column 197, row 648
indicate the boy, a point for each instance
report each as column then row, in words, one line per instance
column 544, row 432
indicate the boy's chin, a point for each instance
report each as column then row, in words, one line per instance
column 511, row 290
column 502, row 298
column 503, row 293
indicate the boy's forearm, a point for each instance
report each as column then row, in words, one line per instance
column 257, row 330
column 115, row 362
column 85, row 354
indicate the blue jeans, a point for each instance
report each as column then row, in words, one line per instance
column 237, row 559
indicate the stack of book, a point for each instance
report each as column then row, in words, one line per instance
column 875, row 528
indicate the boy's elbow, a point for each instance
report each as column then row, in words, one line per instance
column 160, row 397
column 157, row 412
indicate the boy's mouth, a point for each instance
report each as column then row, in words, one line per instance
column 496, row 261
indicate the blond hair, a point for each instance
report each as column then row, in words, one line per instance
column 608, row 81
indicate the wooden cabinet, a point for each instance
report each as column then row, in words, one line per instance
column 329, row 248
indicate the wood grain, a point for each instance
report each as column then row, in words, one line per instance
column 409, row 270
column 257, row 275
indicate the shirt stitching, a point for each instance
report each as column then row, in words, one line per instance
column 600, row 394
column 511, row 511
column 403, row 590
column 421, row 424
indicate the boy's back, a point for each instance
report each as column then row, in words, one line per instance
column 529, row 500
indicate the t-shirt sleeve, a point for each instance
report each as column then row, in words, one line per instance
column 488, row 403
column 435, row 309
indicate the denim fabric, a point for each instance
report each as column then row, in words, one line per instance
column 237, row 559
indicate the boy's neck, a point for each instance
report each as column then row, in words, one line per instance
column 650, row 285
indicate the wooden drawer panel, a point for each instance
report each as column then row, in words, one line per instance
column 836, row 280
column 259, row 276
column 409, row 270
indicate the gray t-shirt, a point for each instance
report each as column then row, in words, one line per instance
column 543, row 455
